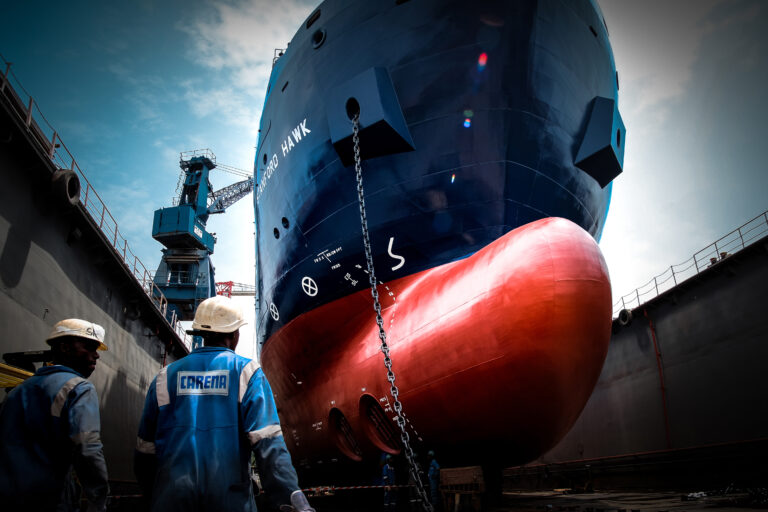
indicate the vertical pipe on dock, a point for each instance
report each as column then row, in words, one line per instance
column 661, row 378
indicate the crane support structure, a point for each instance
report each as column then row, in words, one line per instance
column 227, row 196
column 185, row 274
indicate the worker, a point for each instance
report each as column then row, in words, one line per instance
column 433, row 474
column 388, row 480
column 203, row 417
column 50, row 422
column 414, row 498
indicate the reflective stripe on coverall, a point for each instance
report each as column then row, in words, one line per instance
column 203, row 416
column 49, row 423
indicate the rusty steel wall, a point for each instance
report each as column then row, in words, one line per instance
column 685, row 376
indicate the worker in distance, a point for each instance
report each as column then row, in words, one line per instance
column 203, row 417
column 434, row 479
column 50, row 422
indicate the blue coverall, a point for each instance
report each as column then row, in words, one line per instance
column 47, row 424
column 434, row 481
column 203, row 416
column 388, row 478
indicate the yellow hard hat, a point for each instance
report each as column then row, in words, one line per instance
column 218, row 314
column 79, row 328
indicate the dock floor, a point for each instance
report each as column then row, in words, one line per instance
column 632, row 501
column 554, row 501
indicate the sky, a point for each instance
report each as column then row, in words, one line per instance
column 130, row 85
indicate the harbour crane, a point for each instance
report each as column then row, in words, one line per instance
column 185, row 274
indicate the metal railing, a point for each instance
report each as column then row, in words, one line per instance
column 186, row 156
column 279, row 52
column 178, row 278
column 710, row 255
column 49, row 141
column 231, row 289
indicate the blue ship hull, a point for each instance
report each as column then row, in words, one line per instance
column 475, row 119
column 527, row 111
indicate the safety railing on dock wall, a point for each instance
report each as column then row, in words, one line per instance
column 48, row 139
column 710, row 255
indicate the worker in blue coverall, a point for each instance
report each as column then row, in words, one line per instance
column 50, row 423
column 433, row 473
column 203, row 417
column 388, row 480
column 414, row 499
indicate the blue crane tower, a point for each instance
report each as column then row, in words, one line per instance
column 185, row 274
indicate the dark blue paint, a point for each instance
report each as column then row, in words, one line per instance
column 461, row 187
column 382, row 128
column 601, row 154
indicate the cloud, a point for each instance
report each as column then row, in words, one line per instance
column 225, row 103
column 242, row 37
column 658, row 46
column 169, row 154
column 236, row 40
column 146, row 93
column 90, row 132
column 670, row 60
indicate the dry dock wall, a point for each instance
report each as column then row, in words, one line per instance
column 701, row 399
column 54, row 264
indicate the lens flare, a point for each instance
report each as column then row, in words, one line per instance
column 453, row 178
column 467, row 122
column 482, row 60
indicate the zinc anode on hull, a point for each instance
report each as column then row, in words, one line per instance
column 55, row 264
column 495, row 354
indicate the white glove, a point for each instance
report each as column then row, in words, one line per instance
column 300, row 503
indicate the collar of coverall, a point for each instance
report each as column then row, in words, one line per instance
column 56, row 368
column 212, row 349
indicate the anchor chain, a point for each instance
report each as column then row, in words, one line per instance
column 404, row 437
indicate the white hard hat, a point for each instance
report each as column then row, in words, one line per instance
column 79, row 328
column 218, row 314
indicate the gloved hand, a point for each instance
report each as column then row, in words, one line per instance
column 299, row 503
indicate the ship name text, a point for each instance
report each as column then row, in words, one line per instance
column 295, row 136
column 271, row 168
